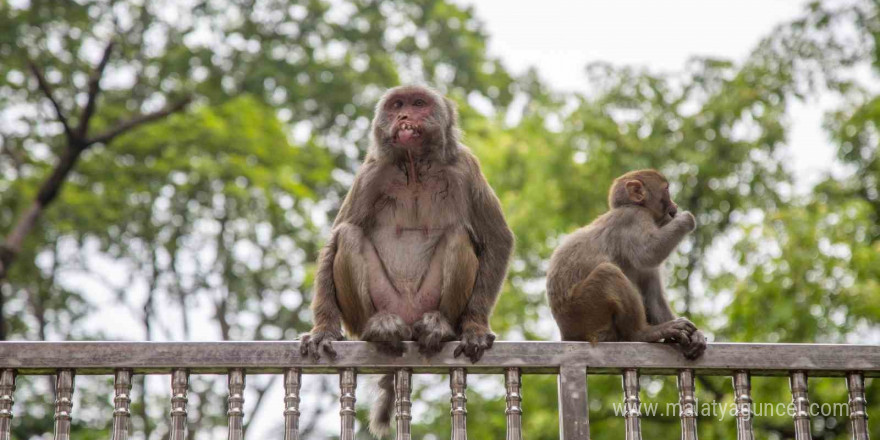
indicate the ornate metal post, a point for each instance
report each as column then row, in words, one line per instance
column 458, row 384
column 122, row 405
column 235, row 401
column 858, row 414
column 7, row 399
column 179, row 384
column 292, row 384
column 402, row 403
column 631, row 404
column 801, row 402
column 63, row 404
column 687, row 404
column 742, row 388
column 347, row 384
column 513, row 384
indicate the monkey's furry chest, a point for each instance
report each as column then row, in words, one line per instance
column 412, row 224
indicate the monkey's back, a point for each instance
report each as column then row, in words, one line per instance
column 582, row 251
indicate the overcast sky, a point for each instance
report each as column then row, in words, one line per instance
column 561, row 37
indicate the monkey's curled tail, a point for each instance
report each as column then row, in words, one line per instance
column 383, row 407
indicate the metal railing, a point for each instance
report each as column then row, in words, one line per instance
column 571, row 361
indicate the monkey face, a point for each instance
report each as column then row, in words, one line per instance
column 647, row 188
column 667, row 209
column 410, row 114
column 410, row 120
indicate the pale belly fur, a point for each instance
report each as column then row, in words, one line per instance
column 410, row 237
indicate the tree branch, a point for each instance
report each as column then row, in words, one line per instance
column 123, row 127
column 94, row 89
column 47, row 90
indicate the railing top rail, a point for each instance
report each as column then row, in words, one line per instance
column 531, row 357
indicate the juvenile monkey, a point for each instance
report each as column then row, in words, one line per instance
column 420, row 247
column 604, row 280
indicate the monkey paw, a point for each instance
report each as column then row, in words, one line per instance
column 696, row 347
column 318, row 341
column 431, row 332
column 687, row 220
column 678, row 330
column 387, row 331
column 474, row 343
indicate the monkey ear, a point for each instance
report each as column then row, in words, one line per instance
column 635, row 191
column 451, row 111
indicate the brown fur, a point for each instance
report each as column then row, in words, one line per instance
column 419, row 249
column 604, row 280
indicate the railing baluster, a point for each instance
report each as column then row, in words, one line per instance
column 292, row 384
column 742, row 388
column 631, row 404
column 179, row 384
column 801, row 402
column 513, row 384
column 403, row 403
column 858, row 413
column 574, row 415
column 458, row 385
column 235, row 401
column 347, row 385
column 7, row 399
column 122, row 405
column 63, row 403
column 686, row 402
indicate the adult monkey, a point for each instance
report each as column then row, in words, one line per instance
column 420, row 247
column 604, row 280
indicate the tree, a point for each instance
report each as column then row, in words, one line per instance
column 282, row 94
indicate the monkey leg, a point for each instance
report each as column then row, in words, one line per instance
column 351, row 276
column 388, row 331
column 459, row 272
column 460, row 266
column 596, row 306
column 606, row 306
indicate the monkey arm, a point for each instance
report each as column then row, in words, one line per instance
column 493, row 243
column 327, row 316
column 656, row 305
column 652, row 248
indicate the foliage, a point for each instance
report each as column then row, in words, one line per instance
column 206, row 225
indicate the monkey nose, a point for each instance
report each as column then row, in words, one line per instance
column 673, row 210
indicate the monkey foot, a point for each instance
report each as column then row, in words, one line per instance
column 474, row 343
column 695, row 347
column 678, row 330
column 387, row 331
column 318, row 341
column 431, row 331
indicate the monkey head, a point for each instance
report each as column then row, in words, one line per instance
column 415, row 122
column 647, row 188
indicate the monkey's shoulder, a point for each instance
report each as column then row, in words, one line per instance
column 623, row 219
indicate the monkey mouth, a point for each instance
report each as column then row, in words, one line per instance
column 407, row 133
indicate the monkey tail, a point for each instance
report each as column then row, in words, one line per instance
column 383, row 407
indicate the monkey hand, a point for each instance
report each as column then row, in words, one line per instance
column 474, row 342
column 317, row 341
column 431, row 331
column 696, row 347
column 387, row 331
column 687, row 220
column 677, row 331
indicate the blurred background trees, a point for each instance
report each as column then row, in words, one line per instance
column 204, row 224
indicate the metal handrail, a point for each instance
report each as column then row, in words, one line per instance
column 571, row 361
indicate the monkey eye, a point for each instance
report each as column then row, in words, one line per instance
column 397, row 104
column 419, row 102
